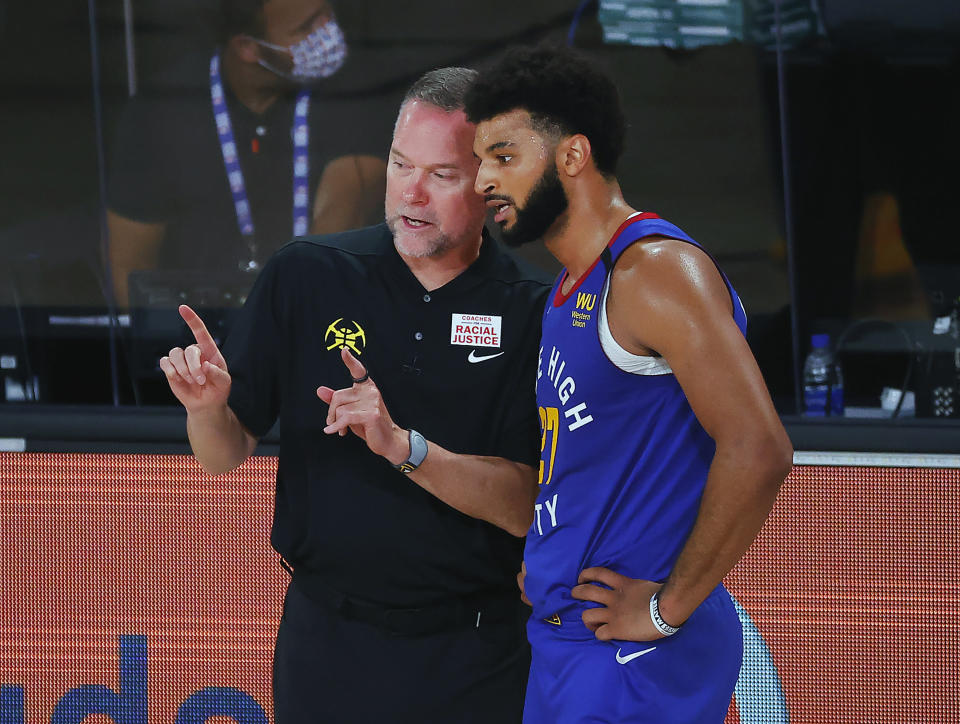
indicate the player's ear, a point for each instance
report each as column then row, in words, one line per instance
column 573, row 154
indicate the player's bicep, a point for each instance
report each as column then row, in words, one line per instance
column 716, row 370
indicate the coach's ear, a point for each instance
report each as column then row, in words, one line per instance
column 573, row 155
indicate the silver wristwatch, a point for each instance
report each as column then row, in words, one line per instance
column 418, row 452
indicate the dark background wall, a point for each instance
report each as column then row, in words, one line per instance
column 872, row 107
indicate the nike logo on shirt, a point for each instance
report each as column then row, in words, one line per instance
column 631, row 657
column 472, row 357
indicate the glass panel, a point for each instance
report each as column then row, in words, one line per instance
column 701, row 151
column 868, row 118
column 873, row 116
column 49, row 196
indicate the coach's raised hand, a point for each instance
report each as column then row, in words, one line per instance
column 360, row 409
column 197, row 375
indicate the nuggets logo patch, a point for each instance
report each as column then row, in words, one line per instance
column 344, row 336
column 475, row 330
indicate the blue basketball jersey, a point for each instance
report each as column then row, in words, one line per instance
column 624, row 459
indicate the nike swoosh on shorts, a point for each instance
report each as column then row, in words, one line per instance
column 631, row 657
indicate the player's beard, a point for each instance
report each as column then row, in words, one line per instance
column 546, row 202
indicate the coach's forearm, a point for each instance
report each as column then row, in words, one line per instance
column 493, row 489
column 219, row 442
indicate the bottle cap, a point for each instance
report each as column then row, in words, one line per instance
column 820, row 341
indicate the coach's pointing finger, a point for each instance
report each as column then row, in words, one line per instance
column 358, row 373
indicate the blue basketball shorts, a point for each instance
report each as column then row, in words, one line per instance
column 687, row 678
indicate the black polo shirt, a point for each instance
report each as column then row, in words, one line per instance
column 167, row 167
column 457, row 363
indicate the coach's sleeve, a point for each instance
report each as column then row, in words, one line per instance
column 251, row 353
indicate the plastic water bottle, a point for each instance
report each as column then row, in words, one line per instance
column 822, row 380
column 836, row 390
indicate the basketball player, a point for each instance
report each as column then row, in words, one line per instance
column 662, row 453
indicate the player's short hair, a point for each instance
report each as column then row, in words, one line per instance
column 445, row 88
column 563, row 91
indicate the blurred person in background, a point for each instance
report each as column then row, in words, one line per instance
column 218, row 176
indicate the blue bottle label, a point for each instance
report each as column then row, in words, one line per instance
column 836, row 401
column 815, row 400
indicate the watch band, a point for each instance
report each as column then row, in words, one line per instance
column 418, row 453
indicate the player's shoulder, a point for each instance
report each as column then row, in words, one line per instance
column 655, row 256
column 659, row 267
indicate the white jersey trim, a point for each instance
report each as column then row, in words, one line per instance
column 634, row 364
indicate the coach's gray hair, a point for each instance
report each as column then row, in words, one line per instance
column 445, row 88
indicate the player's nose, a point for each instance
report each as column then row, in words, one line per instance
column 485, row 182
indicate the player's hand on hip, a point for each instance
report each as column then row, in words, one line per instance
column 360, row 409
column 625, row 610
column 521, row 577
column 197, row 374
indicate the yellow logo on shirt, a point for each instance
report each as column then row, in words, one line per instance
column 586, row 302
column 343, row 336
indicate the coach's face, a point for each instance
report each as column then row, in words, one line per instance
column 431, row 206
column 518, row 176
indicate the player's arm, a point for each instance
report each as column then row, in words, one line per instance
column 199, row 379
column 683, row 311
column 667, row 296
column 349, row 194
column 133, row 245
column 497, row 490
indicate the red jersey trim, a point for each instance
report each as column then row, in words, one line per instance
column 559, row 298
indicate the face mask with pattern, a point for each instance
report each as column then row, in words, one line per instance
column 319, row 55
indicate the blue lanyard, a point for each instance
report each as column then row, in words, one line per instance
column 301, row 164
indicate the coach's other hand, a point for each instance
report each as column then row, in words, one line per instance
column 521, row 577
column 361, row 410
column 197, row 375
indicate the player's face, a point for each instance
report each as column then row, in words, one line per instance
column 518, row 177
column 431, row 206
